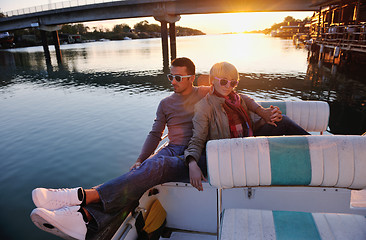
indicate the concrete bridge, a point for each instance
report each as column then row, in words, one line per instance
column 165, row 11
column 148, row 8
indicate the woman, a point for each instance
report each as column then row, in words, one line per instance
column 223, row 113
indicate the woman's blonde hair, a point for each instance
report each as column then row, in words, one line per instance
column 223, row 70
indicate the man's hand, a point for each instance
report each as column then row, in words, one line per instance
column 136, row 164
column 195, row 175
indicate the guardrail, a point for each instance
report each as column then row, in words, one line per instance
column 53, row 6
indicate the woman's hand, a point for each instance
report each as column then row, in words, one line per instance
column 271, row 115
column 276, row 115
column 195, row 175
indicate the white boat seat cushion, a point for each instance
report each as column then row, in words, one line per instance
column 265, row 224
column 313, row 116
column 329, row 161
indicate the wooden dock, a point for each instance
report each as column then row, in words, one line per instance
column 338, row 32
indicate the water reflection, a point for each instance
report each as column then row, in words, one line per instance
column 135, row 67
column 30, row 66
column 136, row 83
column 346, row 95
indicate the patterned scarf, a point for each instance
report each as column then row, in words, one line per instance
column 239, row 122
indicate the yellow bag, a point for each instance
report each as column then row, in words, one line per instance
column 155, row 218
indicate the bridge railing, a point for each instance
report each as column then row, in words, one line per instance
column 57, row 5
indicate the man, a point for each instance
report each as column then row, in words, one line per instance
column 66, row 212
column 175, row 111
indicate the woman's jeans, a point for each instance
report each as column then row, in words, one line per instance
column 284, row 127
column 165, row 166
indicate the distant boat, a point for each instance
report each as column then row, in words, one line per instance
column 69, row 38
column 6, row 40
column 127, row 38
column 274, row 33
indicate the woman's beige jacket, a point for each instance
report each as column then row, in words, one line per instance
column 211, row 122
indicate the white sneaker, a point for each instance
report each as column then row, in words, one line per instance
column 66, row 223
column 53, row 199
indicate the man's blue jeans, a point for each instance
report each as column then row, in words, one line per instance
column 165, row 166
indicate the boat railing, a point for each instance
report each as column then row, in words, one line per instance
column 128, row 225
column 164, row 143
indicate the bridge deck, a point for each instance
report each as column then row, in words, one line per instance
column 146, row 8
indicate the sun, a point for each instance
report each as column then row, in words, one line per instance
column 238, row 22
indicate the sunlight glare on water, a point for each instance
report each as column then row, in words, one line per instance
column 254, row 53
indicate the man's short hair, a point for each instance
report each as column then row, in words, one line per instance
column 185, row 62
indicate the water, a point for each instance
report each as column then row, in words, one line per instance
column 84, row 122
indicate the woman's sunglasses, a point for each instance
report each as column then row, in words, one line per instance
column 178, row 78
column 224, row 81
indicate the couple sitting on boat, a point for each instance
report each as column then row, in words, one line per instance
column 193, row 116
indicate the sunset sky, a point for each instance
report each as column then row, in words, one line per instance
column 208, row 23
column 218, row 23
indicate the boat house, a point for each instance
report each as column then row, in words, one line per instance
column 338, row 30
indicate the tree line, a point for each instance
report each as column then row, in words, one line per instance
column 143, row 29
column 288, row 21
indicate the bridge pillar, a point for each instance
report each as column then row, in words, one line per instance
column 164, row 42
column 44, row 29
column 164, row 19
column 45, row 47
column 173, row 42
column 56, row 42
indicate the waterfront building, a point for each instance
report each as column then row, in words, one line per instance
column 338, row 32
